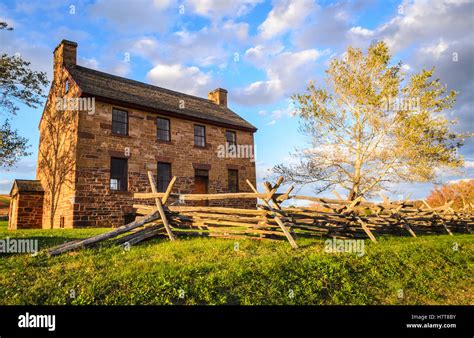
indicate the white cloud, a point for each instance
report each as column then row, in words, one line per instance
column 435, row 50
column 286, row 72
column 284, row 16
column 239, row 29
column 468, row 164
column 362, row 32
column 24, row 169
column 145, row 44
column 207, row 47
column 162, row 4
column 259, row 92
column 141, row 15
column 287, row 111
column 34, row 51
column 216, row 9
column 190, row 80
column 89, row 63
column 460, row 180
column 262, row 52
column 180, row 60
column 425, row 21
column 120, row 68
column 406, row 67
column 328, row 26
column 5, row 186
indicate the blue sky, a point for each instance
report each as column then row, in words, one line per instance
column 261, row 52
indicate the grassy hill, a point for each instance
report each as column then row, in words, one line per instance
column 403, row 270
column 4, row 205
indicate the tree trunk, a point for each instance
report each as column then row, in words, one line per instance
column 52, row 211
column 352, row 195
column 51, row 216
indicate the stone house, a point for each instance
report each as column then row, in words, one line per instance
column 100, row 134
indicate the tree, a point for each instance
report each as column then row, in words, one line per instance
column 12, row 145
column 461, row 193
column 18, row 84
column 372, row 127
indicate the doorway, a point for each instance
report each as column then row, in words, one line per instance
column 201, row 184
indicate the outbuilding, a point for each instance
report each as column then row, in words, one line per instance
column 26, row 205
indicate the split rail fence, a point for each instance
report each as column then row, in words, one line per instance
column 271, row 221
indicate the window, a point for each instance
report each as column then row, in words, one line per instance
column 199, row 136
column 66, row 86
column 119, row 122
column 118, row 174
column 233, row 177
column 163, row 129
column 231, row 137
column 164, row 176
column 61, row 222
column 129, row 218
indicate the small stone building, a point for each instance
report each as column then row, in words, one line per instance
column 26, row 205
column 119, row 129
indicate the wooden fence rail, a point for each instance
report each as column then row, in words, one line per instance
column 271, row 221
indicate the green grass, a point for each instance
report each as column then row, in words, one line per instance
column 4, row 204
column 210, row 271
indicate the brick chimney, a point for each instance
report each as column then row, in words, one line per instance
column 65, row 53
column 218, row 96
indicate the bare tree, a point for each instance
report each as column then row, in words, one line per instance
column 372, row 127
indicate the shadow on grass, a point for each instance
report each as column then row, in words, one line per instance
column 19, row 244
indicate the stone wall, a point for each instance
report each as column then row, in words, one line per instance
column 28, row 207
column 64, row 137
column 95, row 204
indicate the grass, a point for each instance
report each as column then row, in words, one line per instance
column 4, row 200
column 4, row 204
column 211, row 271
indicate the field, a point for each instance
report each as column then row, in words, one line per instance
column 397, row 270
column 4, row 205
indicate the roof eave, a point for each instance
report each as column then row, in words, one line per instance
column 167, row 113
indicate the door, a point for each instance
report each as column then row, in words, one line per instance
column 201, row 181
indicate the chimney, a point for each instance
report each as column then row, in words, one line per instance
column 218, row 96
column 65, row 53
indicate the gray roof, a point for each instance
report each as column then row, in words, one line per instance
column 27, row 186
column 116, row 88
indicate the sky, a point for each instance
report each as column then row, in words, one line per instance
column 262, row 52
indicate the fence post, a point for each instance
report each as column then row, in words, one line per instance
column 274, row 214
column 159, row 205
